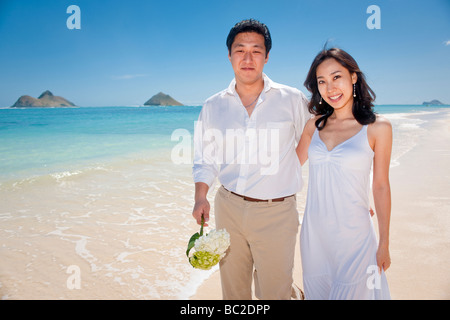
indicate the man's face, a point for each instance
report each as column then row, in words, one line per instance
column 248, row 57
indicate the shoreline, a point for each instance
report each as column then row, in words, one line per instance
column 125, row 224
column 420, row 221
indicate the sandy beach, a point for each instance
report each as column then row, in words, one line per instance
column 420, row 220
column 121, row 226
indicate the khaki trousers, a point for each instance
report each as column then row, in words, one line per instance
column 262, row 243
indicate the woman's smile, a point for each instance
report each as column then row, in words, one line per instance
column 335, row 98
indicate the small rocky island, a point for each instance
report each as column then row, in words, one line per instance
column 45, row 100
column 162, row 99
column 433, row 103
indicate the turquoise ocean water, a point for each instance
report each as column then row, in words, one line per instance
column 41, row 141
column 97, row 188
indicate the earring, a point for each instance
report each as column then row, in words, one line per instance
column 354, row 91
column 320, row 102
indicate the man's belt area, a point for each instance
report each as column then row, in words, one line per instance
column 259, row 200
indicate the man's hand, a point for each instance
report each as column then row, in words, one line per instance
column 201, row 208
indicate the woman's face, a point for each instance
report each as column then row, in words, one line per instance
column 335, row 84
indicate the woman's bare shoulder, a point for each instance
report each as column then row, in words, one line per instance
column 382, row 124
column 380, row 130
column 311, row 125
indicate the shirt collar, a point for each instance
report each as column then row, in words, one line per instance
column 268, row 84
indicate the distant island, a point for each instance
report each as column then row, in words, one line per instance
column 162, row 99
column 45, row 100
column 433, row 102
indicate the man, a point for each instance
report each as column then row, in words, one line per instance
column 246, row 136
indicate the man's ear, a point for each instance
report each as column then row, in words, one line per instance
column 267, row 57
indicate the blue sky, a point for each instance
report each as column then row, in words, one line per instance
column 127, row 51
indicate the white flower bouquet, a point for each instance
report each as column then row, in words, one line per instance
column 209, row 248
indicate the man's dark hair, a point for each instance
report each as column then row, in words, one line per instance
column 250, row 25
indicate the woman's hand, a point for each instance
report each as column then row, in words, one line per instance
column 383, row 258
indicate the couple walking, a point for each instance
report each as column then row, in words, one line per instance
column 341, row 136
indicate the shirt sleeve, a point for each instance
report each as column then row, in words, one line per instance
column 302, row 117
column 205, row 168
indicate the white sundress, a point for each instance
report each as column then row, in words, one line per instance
column 337, row 240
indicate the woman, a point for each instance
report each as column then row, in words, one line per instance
column 341, row 258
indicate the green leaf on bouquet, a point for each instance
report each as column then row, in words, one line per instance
column 194, row 237
column 191, row 243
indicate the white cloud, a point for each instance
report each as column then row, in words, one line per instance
column 129, row 76
column 447, row 43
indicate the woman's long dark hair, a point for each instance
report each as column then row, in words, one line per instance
column 362, row 103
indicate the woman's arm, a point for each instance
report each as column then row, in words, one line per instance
column 305, row 140
column 380, row 139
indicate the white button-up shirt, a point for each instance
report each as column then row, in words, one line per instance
column 252, row 156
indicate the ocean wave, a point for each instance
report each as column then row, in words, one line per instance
column 49, row 178
column 407, row 129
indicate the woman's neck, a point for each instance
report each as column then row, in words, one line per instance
column 343, row 113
